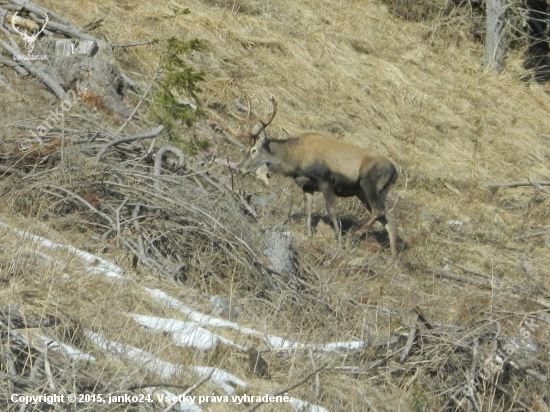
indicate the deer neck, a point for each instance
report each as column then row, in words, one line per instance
column 285, row 158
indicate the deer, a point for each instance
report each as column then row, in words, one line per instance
column 322, row 164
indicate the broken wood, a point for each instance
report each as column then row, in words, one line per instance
column 409, row 345
column 467, row 279
column 153, row 133
column 492, row 279
column 493, row 187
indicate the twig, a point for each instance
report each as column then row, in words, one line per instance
column 317, row 376
column 465, row 269
column 155, row 132
column 83, row 201
column 121, row 128
column 48, row 370
column 195, row 386
column 454, row 276
column 300, row 382
column 423, row 319
column 408, row 346
column 513, row 399
column 136, row 43
column 493, row 187
column 117, row 214
column 135, row 215
column 536, row 375
column 528, row 274
column 32, row 376
column 475, row 352
column 158, row 161
column 158, row 384
column 11, row 170
column 534, row 234
column 191, row 389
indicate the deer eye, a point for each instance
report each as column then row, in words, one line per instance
column 253, row 151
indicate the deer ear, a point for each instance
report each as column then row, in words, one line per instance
column 263, row 137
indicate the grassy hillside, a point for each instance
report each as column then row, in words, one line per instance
column 414, row 92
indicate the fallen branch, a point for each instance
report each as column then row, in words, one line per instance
column 127, row 122
column 35, row 8
column 473, row 272
column 285, row 390
column 153, row 133
column 11, row 170
column 529, row 277
column 190, row 390
column 83, row 201
column 27, row 65
column 408, row 346
column 12, row 65
column 534, row 234
column 156, row 385
column 467, row 279
column 160, row 154
column 423, row 318
column 493, row 187
column 136, row 43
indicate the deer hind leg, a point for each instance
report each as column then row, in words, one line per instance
column 376, row 203
column 330, row 200
column 308, row 200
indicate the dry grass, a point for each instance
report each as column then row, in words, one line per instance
column 352, row 71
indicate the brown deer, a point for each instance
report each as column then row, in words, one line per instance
column 321, row 164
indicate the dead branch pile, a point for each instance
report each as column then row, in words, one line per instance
column 178, row 216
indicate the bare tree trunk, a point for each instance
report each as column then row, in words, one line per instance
column 495, row 42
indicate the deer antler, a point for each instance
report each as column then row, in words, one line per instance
column 229, row 130
column 273, row 113
column 249, row 105
column 249, row 109
column 254, row 127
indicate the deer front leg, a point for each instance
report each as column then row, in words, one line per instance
column 330, row 200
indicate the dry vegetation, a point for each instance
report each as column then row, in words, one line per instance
column 413, row 91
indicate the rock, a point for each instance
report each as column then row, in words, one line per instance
column 221, row 306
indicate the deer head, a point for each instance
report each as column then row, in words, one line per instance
column 29, row 39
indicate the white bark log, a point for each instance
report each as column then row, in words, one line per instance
column 493, row 56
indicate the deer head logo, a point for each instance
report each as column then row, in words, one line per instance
column 29, row 39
